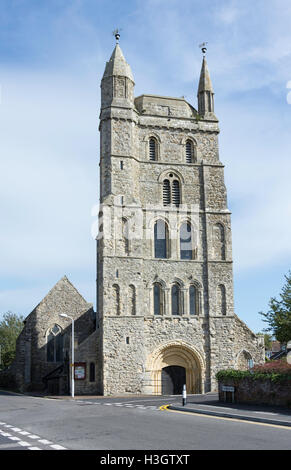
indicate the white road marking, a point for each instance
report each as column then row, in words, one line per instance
column 23, row 443
column 44, row 441
column 18, row 440
column 58, row 447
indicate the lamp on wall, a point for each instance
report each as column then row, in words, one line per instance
column 64, row 315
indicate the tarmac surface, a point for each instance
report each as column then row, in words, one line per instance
column 210, row 405
column 207, row 404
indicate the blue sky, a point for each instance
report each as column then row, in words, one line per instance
column 52, row 57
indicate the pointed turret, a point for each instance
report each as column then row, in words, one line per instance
column 117, row 84
column 117, row 65
column 205, row 92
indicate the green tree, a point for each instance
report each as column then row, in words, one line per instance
column 10, row 327
column 279, row 315
column 267, row 340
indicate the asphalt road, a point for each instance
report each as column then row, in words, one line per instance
column 125, row 423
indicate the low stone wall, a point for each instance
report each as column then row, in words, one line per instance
column 260, row 392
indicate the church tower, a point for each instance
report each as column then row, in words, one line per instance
column 164, row 258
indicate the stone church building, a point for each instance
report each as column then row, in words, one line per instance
column 165, row 313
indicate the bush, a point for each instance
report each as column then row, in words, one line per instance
column 276, row 371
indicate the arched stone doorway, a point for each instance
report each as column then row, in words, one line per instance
column 170, row 355
column 173, row 379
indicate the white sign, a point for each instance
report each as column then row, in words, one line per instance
column 226, row 388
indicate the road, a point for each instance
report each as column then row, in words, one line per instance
column 125, row 423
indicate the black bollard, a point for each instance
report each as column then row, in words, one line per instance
column 184, row 395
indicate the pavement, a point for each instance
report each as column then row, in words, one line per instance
column 209, row 404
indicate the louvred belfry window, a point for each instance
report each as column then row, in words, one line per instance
column 176, row 193
column 166, row 193
column 171, row 191
column 152, row 149
column 189, row 151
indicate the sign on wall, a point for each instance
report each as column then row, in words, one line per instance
column 80, row 370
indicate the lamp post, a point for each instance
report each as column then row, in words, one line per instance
column 64, row 315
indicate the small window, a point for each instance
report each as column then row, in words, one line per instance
column 92, row 372
column 176, row 193
column 166, row 193
column 127, row 340
column 221, row 300
column 161, row 239
column 176, row 300
column 189, row 151
column 186, row 245
column 158, row 300
column 194, row 300
column 152, row 149
column 171, row 191
column 121, row 165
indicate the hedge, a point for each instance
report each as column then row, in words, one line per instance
column 276, row 371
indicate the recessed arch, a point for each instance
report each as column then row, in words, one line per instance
column 176, row 353
column 242, row 359
column 165, row 174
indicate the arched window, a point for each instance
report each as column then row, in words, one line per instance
column 55, row 344
column 175, row 294
column 189, row 151
column 186, row 242
column 132, row 299
column 221, row 300
column 171, row 191
column 243, row 361
column 194, row 300
column 161, row 239
column 176, row 193
column 92, row 372
column 166, row 193
column 152, row 149
column 219, row 241
column 158, row 299
column 116, row 299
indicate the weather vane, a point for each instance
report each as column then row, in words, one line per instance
column 203, row 47
column 116, row 33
